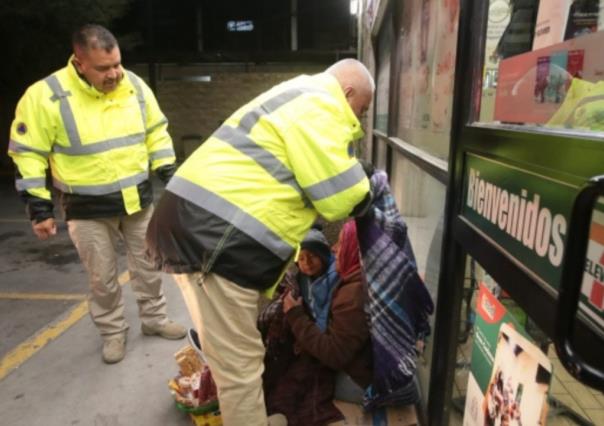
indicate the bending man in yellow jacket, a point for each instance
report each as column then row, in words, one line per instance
column 235, row 212
column 98, row 128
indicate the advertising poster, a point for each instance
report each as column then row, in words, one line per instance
column 510, row 376
column 575, row 64
column 558, row 77
column 541, row 78
column 551, row 23
column 528, row 93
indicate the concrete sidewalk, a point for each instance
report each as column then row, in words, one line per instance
column 66, row 383
column 42, row 297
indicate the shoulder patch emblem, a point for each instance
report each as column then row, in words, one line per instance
column 21, row 128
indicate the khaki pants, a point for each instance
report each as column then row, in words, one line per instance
column 95, row 241
column 224, row 315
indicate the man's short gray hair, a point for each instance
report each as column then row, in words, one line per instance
column 93, row 36
column 350, row 70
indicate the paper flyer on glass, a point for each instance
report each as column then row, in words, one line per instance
column 551, row 23
column 510, row 376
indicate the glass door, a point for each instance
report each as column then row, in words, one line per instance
column 524, row 219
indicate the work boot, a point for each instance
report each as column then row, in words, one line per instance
column 114, row 349
column 277, row 420
column 169, row 330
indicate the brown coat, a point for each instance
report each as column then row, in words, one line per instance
column 345, row 343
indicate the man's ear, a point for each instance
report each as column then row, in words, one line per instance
column 77, row 63
column 349, row 92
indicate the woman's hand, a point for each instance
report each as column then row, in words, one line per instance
column 290, row 302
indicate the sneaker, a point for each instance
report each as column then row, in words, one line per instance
column 114, row 349
column 169, row 330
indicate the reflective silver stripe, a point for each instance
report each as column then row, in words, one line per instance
column 162, row 153
column 156, row 125
column 29, row 183
column 239, row 140
column 140, row 96
column 336, row 184
column 15, row 146
column 101, row 189
column 66, row 113
column 101, row 146
column 231, row 213
column 250, row 118
column 264, row 158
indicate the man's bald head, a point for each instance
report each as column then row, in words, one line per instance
column 356, row 82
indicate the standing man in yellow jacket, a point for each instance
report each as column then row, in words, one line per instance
column 234, row 214
column 99, row 128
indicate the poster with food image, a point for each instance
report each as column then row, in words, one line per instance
column 510, row 376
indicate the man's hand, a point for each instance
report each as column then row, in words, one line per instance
column 46, row 228
column 289, row 302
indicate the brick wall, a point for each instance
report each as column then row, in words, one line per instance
column 196, row 108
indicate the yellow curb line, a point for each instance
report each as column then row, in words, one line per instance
column 41, row 296
column 27, row 349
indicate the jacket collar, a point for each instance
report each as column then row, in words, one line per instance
column 80, row 82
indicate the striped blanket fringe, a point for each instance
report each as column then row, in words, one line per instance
column 398, row 302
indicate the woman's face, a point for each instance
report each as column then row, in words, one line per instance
column 309, row 263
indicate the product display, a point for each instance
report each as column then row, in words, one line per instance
column 194, row 389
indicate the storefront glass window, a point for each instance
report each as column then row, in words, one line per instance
column 543, row 64
column 383, row 86
column 421, row 201
column 428, row 39
column 507, row 370
column 383, row 76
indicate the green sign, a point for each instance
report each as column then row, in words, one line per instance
column 524, row 213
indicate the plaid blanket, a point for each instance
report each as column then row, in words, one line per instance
column 399, row 303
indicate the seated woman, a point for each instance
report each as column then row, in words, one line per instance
column 326, row 330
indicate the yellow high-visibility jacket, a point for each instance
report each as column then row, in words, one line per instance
column 99, row 146
column 242, row 202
